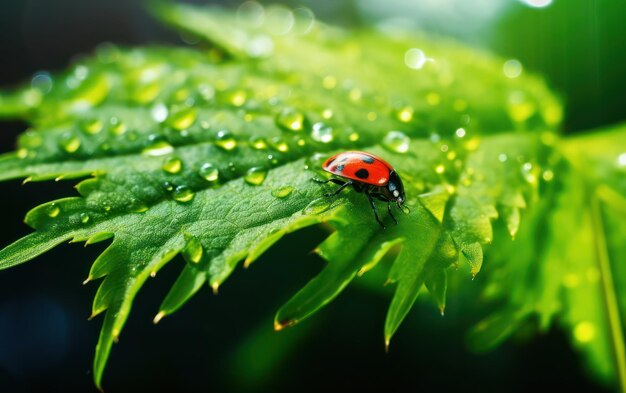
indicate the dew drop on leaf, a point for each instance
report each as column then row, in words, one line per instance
column 322, row 133
column 282, row 192
column 183, row 194
column 255, row 176
column 238, row 97
column 172, row 165
column 182, row 118
column 280, row 145
column 158, row 148
column 93, row 126
column 193, row 250
column 225, row 140
column 209, row 172
column 70, row 143
column 396, row 141
column 53, row 210
column 290, row 119
column 84, row 218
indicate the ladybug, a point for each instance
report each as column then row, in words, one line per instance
column 368, row 174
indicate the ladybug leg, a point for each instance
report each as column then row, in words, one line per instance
column 338, row 190
column 369, row 197
column 391, row 214
column 331, row 180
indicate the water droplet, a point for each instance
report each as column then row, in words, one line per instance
column 396, row 141
column 444, row 148
column 317, row 206
column 353, row 137
column 31, row 139
column 92, row 127
column 251, row 13
column 255, row 176
column 621, row 160
column 405, row 114
column 238, row 97
column 225, row 140
column 322, row 133
column 327, row 113
column 84, row 218
column 472, row 144
column 415, row 58
column 290, row 119
column 304, row 20
column 183, row 194
column 440, row 169
column 282, row 192
column 502, row 157
column 117, row 128
column 70, row 143
column 460, row 132
column 451, row 155
column 280, row 145
column 273, row 160
column 209, row 172
column 172, row 165
column 42, row 81
column 279, row 20
column 53, row 210
column 182, row 118
column 193, row 250
column 159, row 112
column 512, row 68
column 168, row 186
column 260, row 45
column 157, row 147
column 329, row 82
column 301, row 142
column 207, row 92
column 258, row 143
column 547, row 175
column 22, row 153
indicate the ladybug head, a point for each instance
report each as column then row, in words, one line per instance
column 396, row 189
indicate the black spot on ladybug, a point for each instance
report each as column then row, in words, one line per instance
column 331, row 161
column 367, row 160
column 340, row 168
column 362, row 173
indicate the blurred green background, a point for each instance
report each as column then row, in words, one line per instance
column 226, row 343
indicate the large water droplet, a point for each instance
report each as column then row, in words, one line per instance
column 53, row 210
column 209, row 172
column 183, row 194
column 225, row 140
column 42, row 81
column 92, row 126
column 117, row 127
column 157, row 147
column 255, row 176
column 282, row 192
column 290, row 119
column 396, row 141
column 172, row 165
column 512, row 68
column 322, row 133
column 182, row 118
column 84, row 218
column 70, row 143
column 193, row 250
column 415, row 58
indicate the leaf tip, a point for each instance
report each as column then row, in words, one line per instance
column 280, row 325
column 158, row 317
column 27, row 180
column 87, row 280
column 387, row 343
column 215, row 287
column 442, row 311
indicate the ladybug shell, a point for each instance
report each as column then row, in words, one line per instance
column 359, row 166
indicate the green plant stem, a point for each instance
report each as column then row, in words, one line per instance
column 608, row 289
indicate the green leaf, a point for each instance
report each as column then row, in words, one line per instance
column 211, row 154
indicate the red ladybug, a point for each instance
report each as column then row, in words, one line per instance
column 368, row 174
